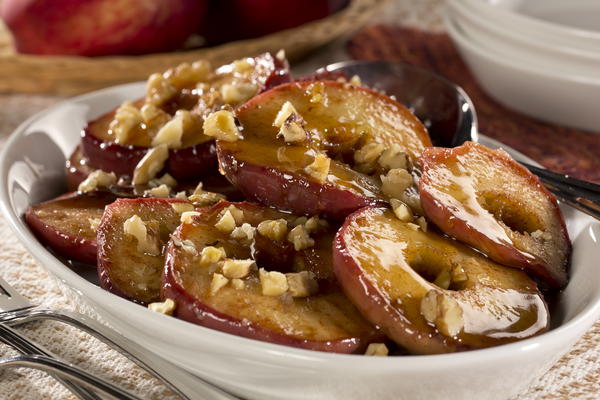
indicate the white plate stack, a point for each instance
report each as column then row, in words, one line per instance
column 539, row 57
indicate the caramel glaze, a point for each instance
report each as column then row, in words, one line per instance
column 386, row 268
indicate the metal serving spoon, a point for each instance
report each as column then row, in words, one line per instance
column 450, row 117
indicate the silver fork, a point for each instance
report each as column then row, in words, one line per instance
column 15, row 310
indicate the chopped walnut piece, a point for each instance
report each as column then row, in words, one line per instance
column 422, row 222
column 242, row 66
column 135, row 226
column 96, row 179
column 412, row 226
column 185, row 75
column 221, row 125
column 127, row 117
column 280, row 55
column 315, row 224
column 153, row 116
column 217, row 282
column 159, row 191
column 395, row 182
column 164, row 307
column 377, row 349
column 237, row 284
column 539, row 234
column 170, row 133
column 159, row 90
column 211, row 255
column 181, row 195
column 287, row 109
column 299, row 238
column 226, row 223
column 187, row 217
column 186, row 245
column 302, row 284
column 273, row 229
column 237, row 214
column 166, row 179
column 238, row 93
column 443, row 311
column 393, row 157
column 150, row 164
column 205, row 198
column 237, row 268
column 273, row 283
column 243, row 232
column 292, row 130
column 181, row 207
column 401, row 210
column 319, row 169
column 369, row 153
column 443, row 279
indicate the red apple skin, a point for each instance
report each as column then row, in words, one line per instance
column 183, row 164
column 75, row 242
column 77, row 168
column 101, row 27
column 288, row 191
column 506, row 250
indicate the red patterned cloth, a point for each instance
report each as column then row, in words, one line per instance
column 561, row 149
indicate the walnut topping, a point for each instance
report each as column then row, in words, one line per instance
column 459, row 275
column 292, row 130
column 187, row 217
column 369, row 153
column 395, row 182
column 299, row 238
column 393, row 157
column 315, row 224
column 539, row 234
column 422, row 222
column 204, row 199
column 153, row 116
column 171, row 133
column 135, row 226
column 217, row 282
column 237, row 284
column 238, row 214
column 319, row 169
column 164, row 307
column 443, row 279
column 181, row 195
column 244, row 232
column 302, row 284
column 355, row 80
column 221, row 125
column 237, row 268
column 127, row 117
column 317, row 93
column 188, row 75
column 442, row 311
column 401, row 210
column 377, row 349
column 412, row 226
column 150, row 164
column 166, row 179
column 159, row 90
column 186, row 245
column 211, row 255
column 159, row 191
column 273, row 229
column 181, row 207
column 238, row 93
column 273, row 283
column 242, row 66
column 280, row 55
column 226, row 223
column 97, row 179
column 284, row 113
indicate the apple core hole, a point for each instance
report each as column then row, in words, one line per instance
column 435, row 271
column 509, row 212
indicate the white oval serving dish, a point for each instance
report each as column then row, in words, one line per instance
column 32, row 169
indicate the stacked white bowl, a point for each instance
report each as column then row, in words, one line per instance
column 539, row 57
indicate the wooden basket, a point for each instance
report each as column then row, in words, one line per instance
column 71, row 75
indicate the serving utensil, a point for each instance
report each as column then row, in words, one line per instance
column 16, row 309
column 450, row 117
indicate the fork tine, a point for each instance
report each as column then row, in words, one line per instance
column 10, row 299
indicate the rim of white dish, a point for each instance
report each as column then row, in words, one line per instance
column 467, row 14
column 526, row 21
column 280, row 354
column 513, row 63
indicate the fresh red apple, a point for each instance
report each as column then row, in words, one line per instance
column 322, row 319
column 252, row 18
column 484, row 198
column 67, row 224
column 101, row 27
column 429, row 293
column 128, row 265
column 338, row 119
column 196, row 156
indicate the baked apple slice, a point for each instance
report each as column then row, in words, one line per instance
column 320, row 147
column 245, row 269
column 172, row 112
column 484, row 198
column 428, row 293
column 68, row 223
column 77, row 169
column 131, row 237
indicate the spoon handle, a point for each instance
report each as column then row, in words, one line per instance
column 583, row 195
